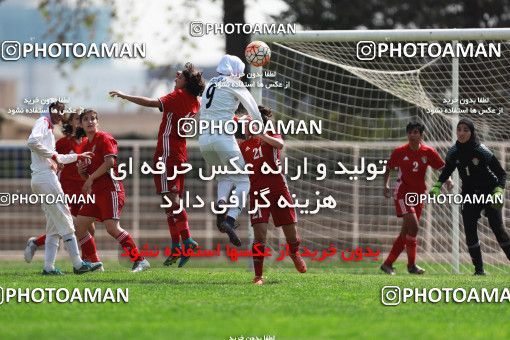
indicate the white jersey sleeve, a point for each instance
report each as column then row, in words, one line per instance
column 39, row 141
column 248, row 101
column 221, row 99
column 66, row 159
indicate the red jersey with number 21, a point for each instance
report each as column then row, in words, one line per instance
column 256, row 152
column 412, row 167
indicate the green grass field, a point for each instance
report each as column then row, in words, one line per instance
column 220, row 302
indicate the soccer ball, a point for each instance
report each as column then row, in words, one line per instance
column 257, row 53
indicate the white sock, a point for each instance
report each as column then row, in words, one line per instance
column 242, row 189
column 71, row 245
column 224, row 189
column 50, row 251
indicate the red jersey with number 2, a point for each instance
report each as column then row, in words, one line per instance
column 412, row 167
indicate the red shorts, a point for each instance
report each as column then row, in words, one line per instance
column 108, row 206
column 164, row 185
column 281, row 216
column 73, row 190
column 402, row 208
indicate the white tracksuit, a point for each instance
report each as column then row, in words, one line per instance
column 44, row 180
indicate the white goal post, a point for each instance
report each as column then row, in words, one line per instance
column 372, row 101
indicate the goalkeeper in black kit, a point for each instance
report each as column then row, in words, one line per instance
column 481, row 174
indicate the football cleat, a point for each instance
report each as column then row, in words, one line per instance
column 170, row 260
column 258, row 280
column 414, row 269
column 388, row 269
column 188, row 244
column 228, row 227
column 480, row 272
column 299, row 263
column 87, row 267
column 139, row 266
column 55, row 272
column 30, row 249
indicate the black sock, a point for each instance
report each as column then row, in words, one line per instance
column 506, row 248
column 476, row 256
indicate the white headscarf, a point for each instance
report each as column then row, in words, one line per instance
column 230, row 65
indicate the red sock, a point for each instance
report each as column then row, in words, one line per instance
column 40, row 240
column 294, row 246
column 127, row 242
column 185, row 234
column 88, row 248
column 411, row 249
column 172, row 227
column 398, row 246
column 258, row 261
column 181, row 220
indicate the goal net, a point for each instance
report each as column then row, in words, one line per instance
column 364, row 106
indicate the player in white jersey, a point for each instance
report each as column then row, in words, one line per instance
column 220, row 100
column 59, row 222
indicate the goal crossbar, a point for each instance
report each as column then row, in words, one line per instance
column 439, row 34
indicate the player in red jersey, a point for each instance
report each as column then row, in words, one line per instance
column 257, row 151
column 412, row 160
column 171, row 149
column 74, row 137
column 108, row 192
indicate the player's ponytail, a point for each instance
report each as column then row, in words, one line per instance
column 67, row 128
column 79, row 133
column 194, row 82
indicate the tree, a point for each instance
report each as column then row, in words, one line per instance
column 65, row 21
column 388, row 14
column 234, row 13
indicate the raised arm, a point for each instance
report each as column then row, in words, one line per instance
column 248, row 101
column 275, row 142
column 139, row 100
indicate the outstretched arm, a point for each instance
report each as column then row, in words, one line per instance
column 143, row 101
column 36, row 145
column 447, row 171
